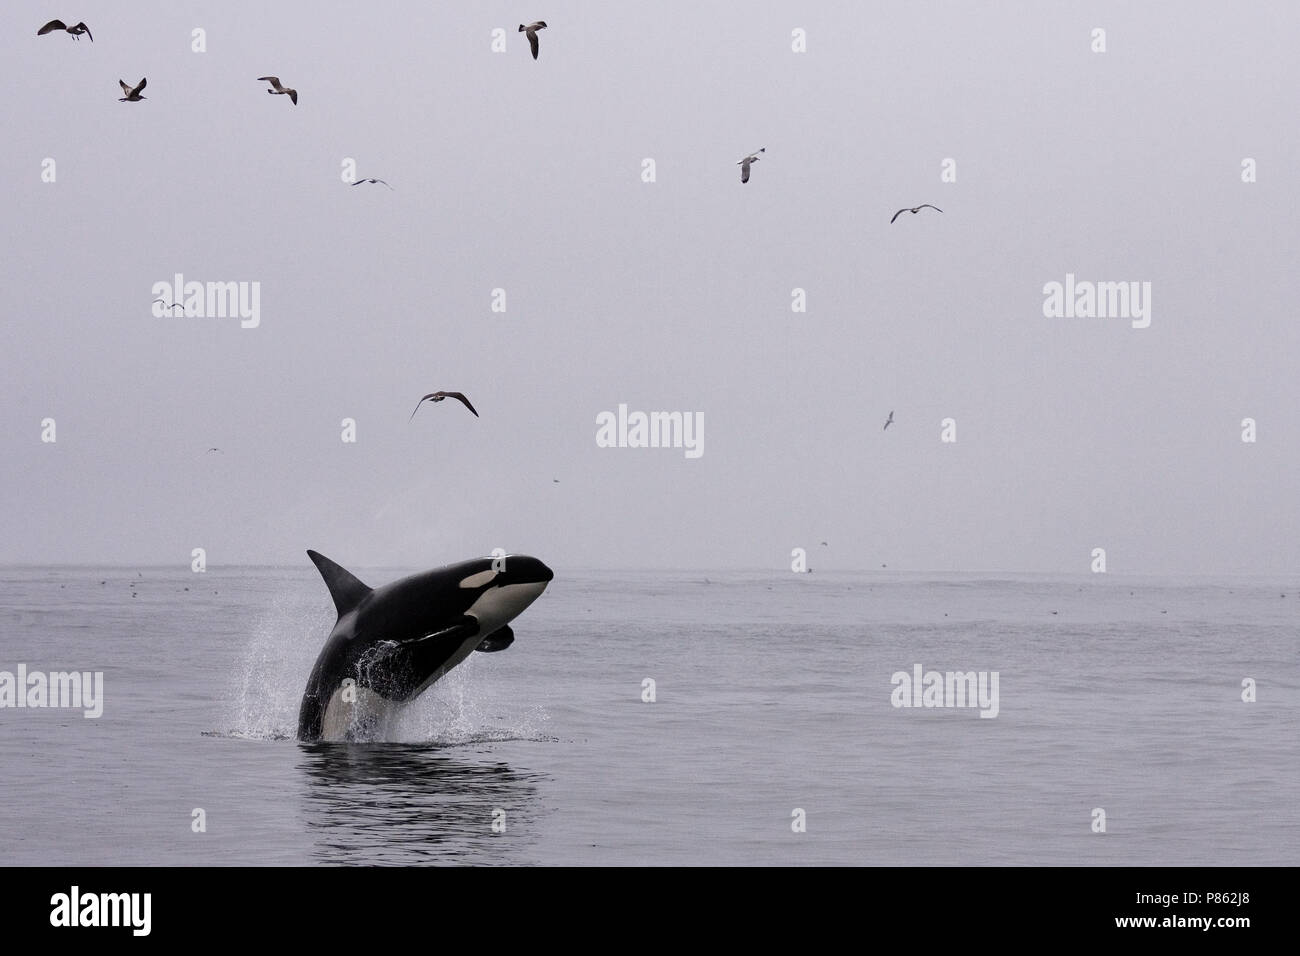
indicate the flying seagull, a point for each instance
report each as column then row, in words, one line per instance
column 278, row 89
column 439, row 396
column 531, row 30
column 76, row 31
column 360, row 181
column 891, row 420
column 216, row 450
column 915, row 209
column 745, row 163
column 172, row 305
column 132, row 95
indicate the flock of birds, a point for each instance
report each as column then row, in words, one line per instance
column 132, row 94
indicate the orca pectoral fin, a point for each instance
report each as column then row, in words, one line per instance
column 498, row 640
column 465, row 627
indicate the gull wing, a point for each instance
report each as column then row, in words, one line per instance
column 463, row 400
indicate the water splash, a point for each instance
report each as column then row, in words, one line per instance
column 268, row 680
column 467, row 706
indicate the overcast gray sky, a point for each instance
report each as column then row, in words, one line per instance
column 674, row 295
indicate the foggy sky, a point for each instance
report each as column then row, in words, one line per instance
column 673, row 295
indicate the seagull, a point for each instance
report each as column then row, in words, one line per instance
column 216, row 450
column 439, row 396
column 132, row 95
column 745, row 163
column 76, row 31
column 172, row 305
column 890, row 421
column 360, row 181
column 914, row 209
column 282, row 90
column 531, row 30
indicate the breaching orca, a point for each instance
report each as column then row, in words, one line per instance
column 392, row 642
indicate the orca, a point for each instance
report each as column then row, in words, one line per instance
column 392, row 642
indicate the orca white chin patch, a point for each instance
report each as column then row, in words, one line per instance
column 497, row 607
column 479, row 579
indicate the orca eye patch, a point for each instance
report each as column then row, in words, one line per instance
column 479, row 579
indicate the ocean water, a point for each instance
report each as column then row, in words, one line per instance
column 772, row 695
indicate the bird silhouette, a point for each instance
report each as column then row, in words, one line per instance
column 531, row 31
column 76, row 31
column 914, row 210
column 440, row 396
column 132, row 93
column 745, row 163
column 280, row 89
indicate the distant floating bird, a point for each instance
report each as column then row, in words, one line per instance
column 556, row 481
column 360, row 181
column 531, row 31
column 439, row 396
column 745, row 163
column 216, row 450
column 76, row 31
column 890, row 420
column 824, row 544
column 132, row 95
column 279, row 89
column 915, row 209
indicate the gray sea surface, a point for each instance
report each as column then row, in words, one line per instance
column 772, row 696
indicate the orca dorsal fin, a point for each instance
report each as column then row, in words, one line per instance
column 345, row 588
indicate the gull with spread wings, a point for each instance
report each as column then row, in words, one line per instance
column 279, row 89
column 440, row 396
column 531, row 32
column 76, row 30
column 914, row 210
column 745, row 163
column 132, row 93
